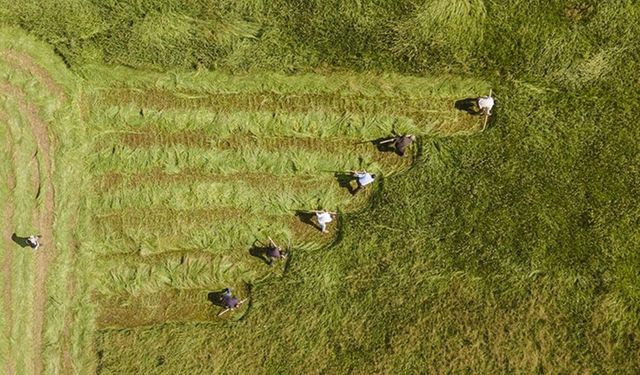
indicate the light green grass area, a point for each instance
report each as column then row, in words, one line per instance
column 191, row 130
column 192, row 170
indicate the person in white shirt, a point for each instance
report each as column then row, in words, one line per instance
column 363, row 179
column 34, row 241
column 485, row 103
column 324, row 217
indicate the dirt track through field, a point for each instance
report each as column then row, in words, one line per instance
column 24, row 62
column 7, row 261
column 46, row 254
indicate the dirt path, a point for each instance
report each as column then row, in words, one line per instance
column 7, row 261
column 46, row 254
column 24, row 62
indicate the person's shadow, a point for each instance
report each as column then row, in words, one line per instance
column 345, row 181
column 259, row 251
column 386, row 146
column 306, row 217
column 216, row 298
column 468, row 105
column 21, row 241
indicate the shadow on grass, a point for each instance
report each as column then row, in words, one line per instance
column 468, row 105
column 307, row 218
column 21, row 241
column 259, row 251
column 387, row 146
column 345, row 181
column 216, row 298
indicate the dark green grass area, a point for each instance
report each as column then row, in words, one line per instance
column 457, row 36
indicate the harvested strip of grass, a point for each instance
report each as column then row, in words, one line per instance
column 180, row 273
column 167, row 306
column 6, row 257
column 315, row 124
column 270, row 198
column 242, row 144
column 115, row 180
column 423, row 111
column 210, row 161
column 215, row 231
column 24, row 223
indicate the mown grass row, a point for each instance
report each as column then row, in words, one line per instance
column 287, row 162
column 125, row 119
column 7, row 169
column 24, row 223
column 148, row 233
column 274, row 199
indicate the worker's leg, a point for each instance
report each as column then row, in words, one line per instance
column 323, row 227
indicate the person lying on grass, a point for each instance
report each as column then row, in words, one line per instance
column 324, row 217
column 363, row 179
column 485, row 103
column 274, row 252
column 401, row 143
column 34, row 241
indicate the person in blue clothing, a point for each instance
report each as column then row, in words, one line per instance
column 274, row 252
column 228, row 300
column 363, row 179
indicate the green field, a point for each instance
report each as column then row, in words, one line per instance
column 152, row 143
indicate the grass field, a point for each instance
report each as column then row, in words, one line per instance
column 153, row 143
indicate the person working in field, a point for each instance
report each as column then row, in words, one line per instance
column 485, row 104
column 401, row 142
column 228, row 300
column 363, row 179
column 34, row 241
column 274, row 252
column 324, row 218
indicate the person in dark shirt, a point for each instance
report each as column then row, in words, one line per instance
column 274, row 252
column 228, row 300
column 401, row 142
